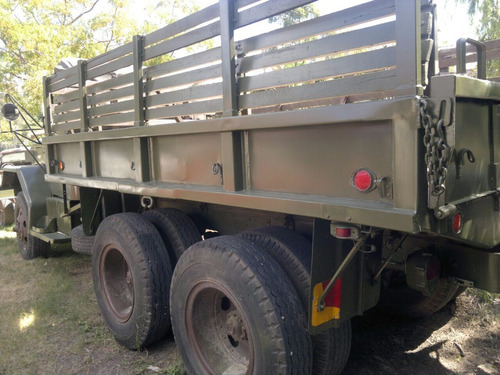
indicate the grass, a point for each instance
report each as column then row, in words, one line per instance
column 6, row 193
column 50, row 322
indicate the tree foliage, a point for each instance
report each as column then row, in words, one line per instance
column 488, row 12
column 36, row 34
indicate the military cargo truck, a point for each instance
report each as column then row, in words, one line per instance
column 256, row 195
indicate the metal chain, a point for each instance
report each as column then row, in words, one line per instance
column 437, row 152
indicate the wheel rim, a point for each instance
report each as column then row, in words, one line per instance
column 218, row 330
column 21, row 228
column 117, row 283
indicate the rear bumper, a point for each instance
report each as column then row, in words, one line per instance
column 481, row 222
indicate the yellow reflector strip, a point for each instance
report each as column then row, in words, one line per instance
column 329, row 313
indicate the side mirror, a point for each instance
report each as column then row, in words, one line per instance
column 10, row 111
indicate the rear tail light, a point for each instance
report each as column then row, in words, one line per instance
column 344, row 232
column 363, row 180
column 457, row 223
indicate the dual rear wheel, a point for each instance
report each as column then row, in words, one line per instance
column 237, row 303
column 132, row 263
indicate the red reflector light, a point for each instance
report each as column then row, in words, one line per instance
column 343, row 232
column 457, row 223
column 362, row 180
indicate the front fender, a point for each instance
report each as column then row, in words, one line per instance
column 35, row 190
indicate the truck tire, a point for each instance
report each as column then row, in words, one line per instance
column 292, row 251
column 81, row 243
column 7, row 214
column 177, row 230
column 29, row 246
column 401, row 300
column 234, row 310
column 132, row 273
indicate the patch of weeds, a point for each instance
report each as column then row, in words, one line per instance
column 483, row 297
column 485, row 302
column 84, row 327
column 176, row 369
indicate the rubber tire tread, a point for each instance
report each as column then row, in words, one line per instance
column 262, row 285
column 292, row 251
column 35, row 247
column 176, row 228
column 80, row 242
column 406, row 302
column 150, row 265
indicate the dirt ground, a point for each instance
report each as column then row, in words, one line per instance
column 463, row 338
column 69, row 337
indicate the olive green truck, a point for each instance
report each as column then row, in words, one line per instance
column 256, row 187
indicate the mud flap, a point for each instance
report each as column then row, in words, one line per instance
column 353, row 293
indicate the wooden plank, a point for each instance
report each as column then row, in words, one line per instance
column 452, row 61
column 120, row 119
column 66, row 97
column 183, row 63
column 337, row 100
column 381, row 58
column 138, row 88
column 110, row 56
column 47, row 111
column 266, row 10
column 371, row 36
column 408, row 53
column 228, row 65
column 71, row 81
column 62, row 74
column 189, row 94
column 106, row 97
column 191, row 77
column 206, row 106
column 112, row 83
column 384, row 80
column 124, row 106
column 65, row 107
column 66, row 127
column 111, row 67
column 186, row 23
column 330, row 22
column 68, row 116
column 184, row 40
column 82, row 79
column 452, row 52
